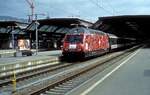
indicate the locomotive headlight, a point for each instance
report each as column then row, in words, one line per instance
column 72, row 46
column 86, row 46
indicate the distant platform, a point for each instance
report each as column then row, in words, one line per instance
column 20, row 59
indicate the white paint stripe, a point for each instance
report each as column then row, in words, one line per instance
column 106, row 76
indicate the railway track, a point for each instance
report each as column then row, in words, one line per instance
column 61, row 81
column 6, row 80
column 78, row 77
column 46, row 79
column 30, row 76
column 28, row 65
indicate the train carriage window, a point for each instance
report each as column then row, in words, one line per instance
column 113, row 41
column 78, row 30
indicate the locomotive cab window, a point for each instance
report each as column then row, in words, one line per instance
column 74, row 38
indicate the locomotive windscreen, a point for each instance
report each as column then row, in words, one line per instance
column 74, row 38
column 78, row 30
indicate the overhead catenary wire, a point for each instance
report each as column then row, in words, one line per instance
column 32, row 6
column 71, row 14
column 95, row 3
column 110, row 5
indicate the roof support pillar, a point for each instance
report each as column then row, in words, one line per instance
column 13, row 37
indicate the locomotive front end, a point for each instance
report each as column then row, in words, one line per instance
column 73, row 45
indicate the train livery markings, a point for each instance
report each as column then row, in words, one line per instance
column 85, row 42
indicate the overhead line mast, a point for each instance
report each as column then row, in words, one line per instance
column 31, row 4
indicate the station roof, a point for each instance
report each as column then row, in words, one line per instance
column 58, row 25
column 8, row 26
column 136, row 26
column 67, row 22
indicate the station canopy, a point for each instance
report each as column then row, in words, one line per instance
column 133, row 26
column 12, row 26
column 57, row 25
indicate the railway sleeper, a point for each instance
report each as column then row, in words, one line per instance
column 60, row 87
column 43, row 94
column 65, row 86
column 62, row 90
column 73, row 84
column 54, row 93
column 56, row 90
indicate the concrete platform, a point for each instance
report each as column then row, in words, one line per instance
column 14, row 62
column 7, row 53
column 40, row 55
column 130, row 76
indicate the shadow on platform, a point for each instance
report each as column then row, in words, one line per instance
column 146, row 46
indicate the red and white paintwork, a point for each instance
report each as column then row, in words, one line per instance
column 93, row 43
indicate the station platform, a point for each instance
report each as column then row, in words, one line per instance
column 40, row 55
column 7, row 53
column 13, row 62
column 129, row 76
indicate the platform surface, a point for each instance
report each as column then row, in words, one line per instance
column 39, row 56
column 132, row 78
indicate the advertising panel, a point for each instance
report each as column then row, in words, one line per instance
column 24, row 44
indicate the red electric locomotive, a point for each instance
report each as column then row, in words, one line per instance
column 84, row 42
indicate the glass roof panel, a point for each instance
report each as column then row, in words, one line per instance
column 44, row 28
column 51, row 28
column 66, row 30
column 62, row 30
column 32, row 28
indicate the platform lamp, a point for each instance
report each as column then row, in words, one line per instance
column 36, row 29
column 36, row 33
column 13, row 38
